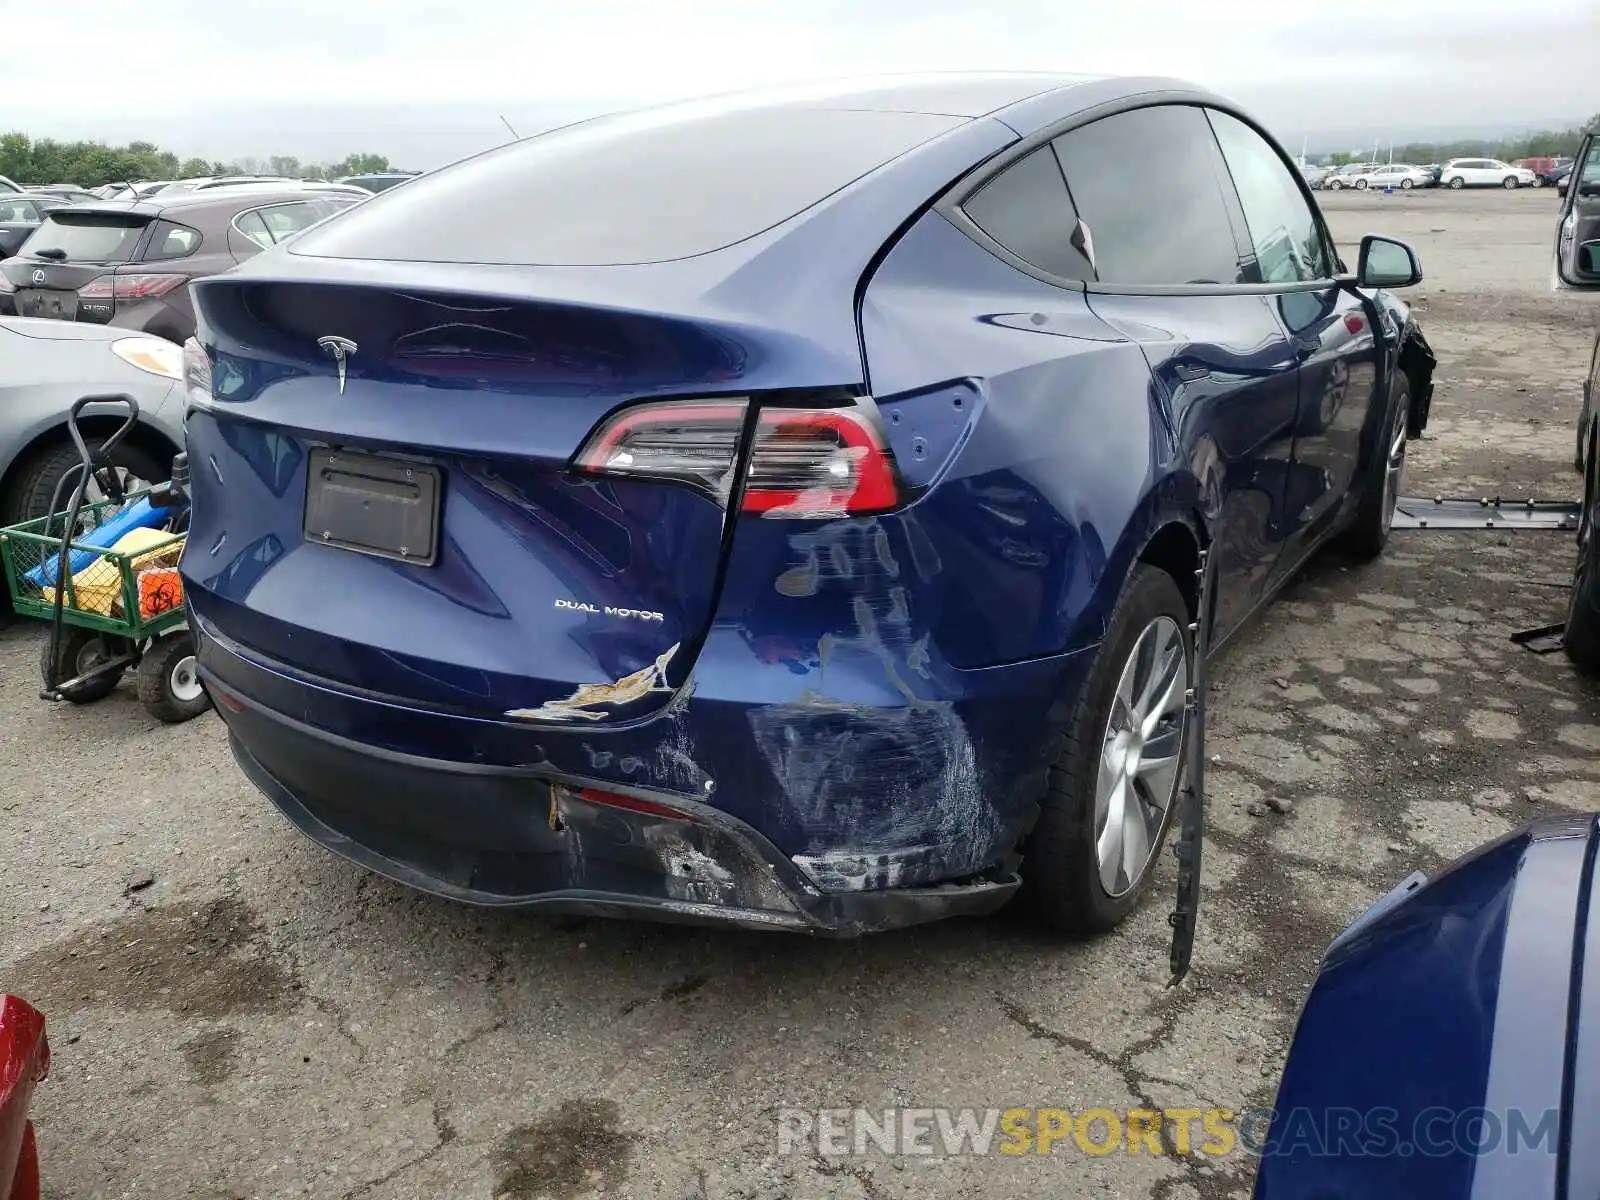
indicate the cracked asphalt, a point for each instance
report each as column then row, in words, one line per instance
column 235, row 1014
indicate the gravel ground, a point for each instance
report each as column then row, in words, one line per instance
column 237, row 1014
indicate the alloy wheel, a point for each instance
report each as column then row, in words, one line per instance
column 1394, row 465
column 1140, row 755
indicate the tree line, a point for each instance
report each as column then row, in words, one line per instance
column 89, row 164
column 1549, row 143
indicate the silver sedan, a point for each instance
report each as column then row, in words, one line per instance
column 46, row 366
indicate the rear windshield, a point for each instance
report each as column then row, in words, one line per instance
column 88, row 237
column 648, row 187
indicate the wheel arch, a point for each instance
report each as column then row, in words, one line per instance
column 144, row 437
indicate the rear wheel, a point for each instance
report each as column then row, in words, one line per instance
column 1538, row 181
column 33, row 483
column 1361, row 185
column 78, row 652
column 1369, row 532
column 1112, row 784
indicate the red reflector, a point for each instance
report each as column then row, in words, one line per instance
column 629, row 803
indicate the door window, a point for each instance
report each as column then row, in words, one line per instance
column 1284, row 233
column 1148, row 185
column 20, row 211
column 1027, row 210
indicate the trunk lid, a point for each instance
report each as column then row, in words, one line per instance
column 71, row 249
column 534, row 592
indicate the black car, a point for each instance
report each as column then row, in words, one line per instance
column 20, row 214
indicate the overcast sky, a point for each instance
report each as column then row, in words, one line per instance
column 424, row 81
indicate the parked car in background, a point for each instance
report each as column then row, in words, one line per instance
column 1559, row 177
column 1314, row 175
column 1543, row 168
column 1393, row 175
column 222, row 181
column 1345, row 176
column 381, row 181
column 20, row 214
column 63, row 191
column 1443, row 1050
column 129, row 262
column 1485, row 172
column 570, row 562
column 7, row 187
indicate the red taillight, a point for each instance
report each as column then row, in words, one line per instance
column 806, row 462
column 129, row 287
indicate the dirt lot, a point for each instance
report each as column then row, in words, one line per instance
column 237, row 1014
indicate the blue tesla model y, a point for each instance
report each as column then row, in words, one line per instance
column 782, row 509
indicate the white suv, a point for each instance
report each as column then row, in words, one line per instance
column 1485, row 172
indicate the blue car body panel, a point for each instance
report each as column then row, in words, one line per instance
column 871, row 699
column 1444, row 1051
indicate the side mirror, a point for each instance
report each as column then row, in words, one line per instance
column 1386, row 263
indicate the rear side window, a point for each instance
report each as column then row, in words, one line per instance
column 18, row 210
column 268, row 226
column 647, row 187
column 1027, row 210
column 1147, row 184
column 171, row 241
column 89, row 237
column 1285, row 235
column 253, row 227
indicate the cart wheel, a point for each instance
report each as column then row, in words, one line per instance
column 169, row 683
column 78, row 652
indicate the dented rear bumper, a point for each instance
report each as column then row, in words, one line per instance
column 812, row 815
column 516, row 839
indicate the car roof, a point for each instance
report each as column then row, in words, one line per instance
column 221, row 197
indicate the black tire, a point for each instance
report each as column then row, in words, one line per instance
column 168, row 686
column 1062, row 887
column 1361, row 185
column 1333, row 185
column 1582, row 636
column 1406, row 185
column 1538, row 181
column 77, row 652
column 1457, row 183
column 1369, row 531
column 33, row 480
column 1510, row 183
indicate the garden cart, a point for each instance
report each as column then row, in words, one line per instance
column 104, row 573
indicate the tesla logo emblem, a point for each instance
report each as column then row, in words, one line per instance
column 341, row 349
column 38, row 278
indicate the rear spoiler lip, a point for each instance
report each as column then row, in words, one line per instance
column 1570, row 825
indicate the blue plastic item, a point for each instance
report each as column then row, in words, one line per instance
column 140, row 515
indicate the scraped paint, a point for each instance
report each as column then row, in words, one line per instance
column 581, row 705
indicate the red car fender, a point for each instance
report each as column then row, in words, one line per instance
column 24, row 1061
